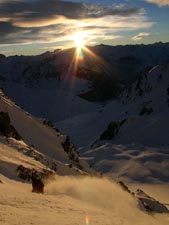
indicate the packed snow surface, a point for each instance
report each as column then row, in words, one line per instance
column 72, row 201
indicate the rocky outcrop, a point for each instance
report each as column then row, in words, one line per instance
column 70, row 149
column 29, row 174
column 145, row 202
column 6, row 128
column 112, row 130
column 50, row 124
column 150, row 204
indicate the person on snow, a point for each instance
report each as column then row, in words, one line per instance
column 37, row 183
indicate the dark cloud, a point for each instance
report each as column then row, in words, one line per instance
column 31, row 10
column 6, row 28
column 100, row 11
column 10, row 34
column 41, row 9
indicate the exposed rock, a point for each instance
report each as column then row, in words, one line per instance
column 124, row 186
column 112, row 130
column 6, row 128
column 50, row 124
column 145, row 202
column 150, row 204
column 146, row 111
column 27, row 173
column 70, row 149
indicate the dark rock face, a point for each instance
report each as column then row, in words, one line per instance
column 6, row 128
column 124, row 187
column 112, row 130
column 28, row 174
column 150, row 204
column 146, row 111
column 24, row 173
column 49, row 124
column 71, row 150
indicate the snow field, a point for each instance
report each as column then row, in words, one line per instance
column 68, row 201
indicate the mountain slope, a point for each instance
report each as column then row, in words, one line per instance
column 146, row 109
column 144, row 106
column 36, row 83
column 137, row 121
column 11, row 158
column 43, row 141
column 34, row 133
column 129, row 137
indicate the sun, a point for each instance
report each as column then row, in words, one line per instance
column 79, row 39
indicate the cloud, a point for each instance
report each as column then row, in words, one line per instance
column 97, row 11
column 160, row 3
column 26, row 21
column 10, row 34
column 140, row 36
column 45, row 9
column 7, row 28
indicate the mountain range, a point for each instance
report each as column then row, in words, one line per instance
column 105, row 114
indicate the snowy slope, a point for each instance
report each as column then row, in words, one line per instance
column 137, row 148
column 146, row 105
column 52, row 100
column 150, row 92
column 82, row 199
column 33, row 132
column 14, row 154
column 45, row 86
column 42, row 138
column 10, row 159
column 70, row 201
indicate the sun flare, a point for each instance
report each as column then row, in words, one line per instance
column 79, row 39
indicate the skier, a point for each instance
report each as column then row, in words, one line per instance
column 37, row 183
